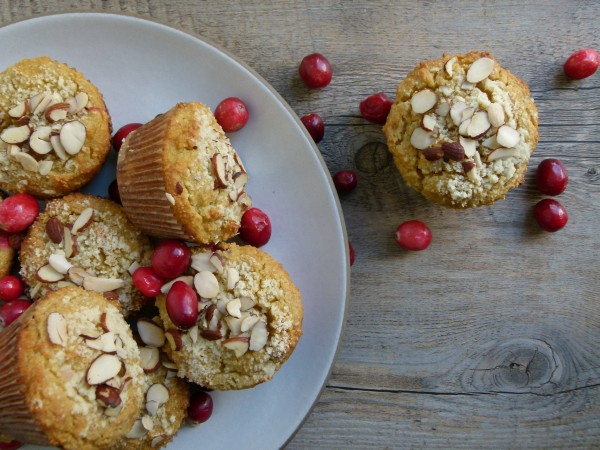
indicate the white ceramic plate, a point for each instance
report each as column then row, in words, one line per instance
column 143, row 68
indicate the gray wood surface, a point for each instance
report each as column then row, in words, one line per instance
column 490, row 338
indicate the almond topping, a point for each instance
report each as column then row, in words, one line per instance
column 108, row 396
column 217, row 262
column 105, row 343
column 211, row 335
column 150, row 357
column 137, row 430
column 81, row 99
column 239, row 181
column 496, row 114
column 193, row 333
column 27, row 161
column 239, row 345
column 84, row 219
column 39, row 102
column 234, row 324
column 72, row 137
column 156, row 396
column 423, row 101
column 464, row 127
column 491, row 142
column 442, row 109
column 15, row 135
column 258, row 337
column 150, row 333
column 70, row 244
column 433, row 153
column 48, row 274
column 56, row 112
column 54, row 230
column 19, row 111
column 507, row 137
column 206, row 284
column 502, row 153
column 103, row 368
column 135, row 266
column 187, row 279
column 480, row 70
column 147, row 423
column 233, row 277
column 421, row 139
column 428, row 122
column 59, row 263
column 98, row 284
column 248, row 323
column 449, row 66
column 201, row 261
column 58, row 147
column 479, row 124
column 170, row 198
column 247, row 303
column 453, row 151
column 233, row 308
column 456, row 112
column 174, row 339
column 77, row 275
column 45, row 167
column 219, row 170
column 469, row 145
column 57, row 329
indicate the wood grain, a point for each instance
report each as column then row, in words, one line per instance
column 490, row 337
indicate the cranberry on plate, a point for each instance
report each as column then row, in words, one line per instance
column 17, row 212
column 122, row 133
column 255, row 227
column 11, row 311
column 413, row 235
column 315, row 70
column 582, row 64
column 11, row 288
column 551, row 177
column 315, row 126
column 200, row 407
column 551, row 215
column 171, row 258
column 376, row 108
column 232, row 114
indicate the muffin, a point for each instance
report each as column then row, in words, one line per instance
column 462, row 129
column 249, row 321
column 55, row 129
column 70, row 373
column 180, row 178
column 7, row 255
column 87, row 241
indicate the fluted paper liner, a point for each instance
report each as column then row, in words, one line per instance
column 140, row 176
column 15, row 418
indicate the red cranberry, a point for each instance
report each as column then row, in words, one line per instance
column 11, row 288
column 17, row 212
column 344, row 181
column 376, row 108
column 182, row 305
column 315, row 71
column 352, row 256
column 113, row 192
column 255, row 228
column 4, row 240
column 147, row 281
column 582, row 64
column 315, row 126
column 122, row 133
column 10, row 445
column 231, row 114
column 171, row 258
column 413, row 235
column 9, row 312
column 551, row 215
column 200, row 408
column 551, row 177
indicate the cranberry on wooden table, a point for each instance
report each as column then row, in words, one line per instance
column 122, row 133
column 17, row 212
column 200, row 408
column 315, row 126
column 413, row 235
column 376, row 108
column 550, row 215
column 255, row 227
column 11, row 311
column 582, row 64
column 11, row 288
column 182, row 305
column 352, row 255
column 345, row 181
column 232, row 114
column 315, row 70
column 10, row 445
column 147, row 281
column 171, row 258
column 551, row 177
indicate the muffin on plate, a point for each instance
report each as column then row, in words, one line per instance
column 180, row 178
column 462, row 129
column 87, row 241
column 54, row 129
column 70, row 373
column 249, row 320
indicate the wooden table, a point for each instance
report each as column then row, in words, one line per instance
column 491, row 337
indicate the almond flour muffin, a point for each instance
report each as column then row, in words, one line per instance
column 87, row 241
column 70, row 373
column 55, row 129
column 462, row 129
column 180, row 178
column 249, row 321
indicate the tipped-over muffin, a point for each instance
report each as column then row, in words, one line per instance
column 462, row 129
column 70, row 373
column 180, row 178
column 87, row 241
column 54, row 128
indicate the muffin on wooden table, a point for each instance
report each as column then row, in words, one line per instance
column 70, row 373
column 55, row 129
column 462, row 129
column 180, row 178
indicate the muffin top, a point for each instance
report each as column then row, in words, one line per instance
column 201, row 177
column 88, row 241
column 249, row 322
column 462, row 129
column 55, row 129
column 80, row 369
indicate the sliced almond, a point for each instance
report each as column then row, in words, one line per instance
column 443, row 108
column 502, row 153
column 98, row 284
column 105, row 343
column 217, row 262
column 449, row 66
column 477, row 159
column 150, row 333
column 48, row 274
column 103, row 368
column 233, row 308
column 239, row 181
column 15, row 135
column 156, row 396
column 193, row 333
column 19, row 111
column 479, row 124
column 469, row 145
column 81, row 99
column 467, row 86
column 174, row 339
column 423, row 101
column 491, row 142
column 201, row 261
column 247, row 303
column 150, row 357
column 187, row 279
column 135, row 266
column 496, row 114
column 213, row 316
column 467, row 113
column 258, row 337
column 77, row 275
column 113, row 412
column 56, row 112
column 169, row 365
column 428, row 122
column 456, row 111
column 72, row 137
column 108, row 396
column 148, row 423
column 222, row 304
column 480, row 70
column 72, row 104
column 421, row 139
column 206, row 284
column 211, row 335
column 137, row 430
column 58, row 147
column 120, row 349
column 233, row 277
column 463, row 129
column 59, row 263
column 28, row 162
column 219, row 170
column 69, row 243
column 57, row 329
column 12, row 149
column 249, row 322
column 507, row 137
column 83, row 220
column 170, row 198
column 156, row 441
column 54, row 230
column 45, row 167
column 39, row 103
column 239, row 345
column 234, row 324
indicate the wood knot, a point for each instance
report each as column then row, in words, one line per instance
column 372, row 157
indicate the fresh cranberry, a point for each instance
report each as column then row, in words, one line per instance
column 551, row 177
column 200, row 408
column 122, row 133
column 582, row 64
column 17, row 212
column 255, row 228
column 344, row 181
column 4, row 239
column 315, row 71
column 352, row 256
column 182, row 305
column 315, row 126
column 376, row 108
column 231, row 114
column 11, row 288
column 147, row 281
column 113, row 192
column 171, row 258
column 413, row 235
column 551, row 215
column 10, row 445
column 9, row 312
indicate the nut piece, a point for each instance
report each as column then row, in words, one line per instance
column 56, row 112
column 480, row 70
column 45, row 167
column 219, row 170
column 54, row 230
column 247, row 303
column 258, row 337
column 248, row 323
column 428, row 122
column 59, row 263
column 48, row 274
column 421, row 139
column 98, row 284
column 77, row 275
column 233, row 308
column 150, row 333
column 103, row 368
column 479, row 125
column 187, row 279
column 83, row 220
column 453, row 151
column 211, row 335
column 443, row 108
column 57, row 329
column 233, row 277
column 206, row 284
column 201, row 261
column 137, row 430
column 19, row 111
column 72, row 137
column 108, row 396
column 507, row 137
column 449, row 66
column 468, row 166
column 174, row 339
column 433, row 153
column 27, row 161
column 58, row 147
column 105, row 342
column 469, row 145
column 150, row 357
column 502, row 153
column 217, row 262
column 496, row 114
column 239, row 345
column 39, row 141
column 156, row 396
column 456, row 112
column 423, row 101
column 15, row 135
